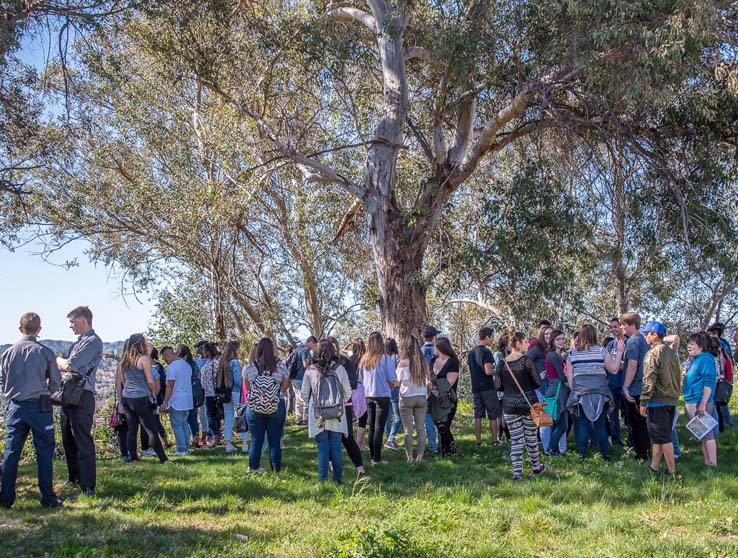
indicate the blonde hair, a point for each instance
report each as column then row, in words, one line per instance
column 136, row 348
column 374, row 351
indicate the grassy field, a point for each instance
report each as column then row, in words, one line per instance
column 206, row 505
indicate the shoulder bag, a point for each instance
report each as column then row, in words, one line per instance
column 537, row 410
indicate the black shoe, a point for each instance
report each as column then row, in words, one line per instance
column 55, row 503
column 6, row 505
column 88, row 492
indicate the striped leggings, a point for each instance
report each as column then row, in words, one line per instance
column 523, row 431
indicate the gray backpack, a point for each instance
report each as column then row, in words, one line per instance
column 329, row 396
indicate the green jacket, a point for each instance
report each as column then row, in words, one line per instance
column 662, row 376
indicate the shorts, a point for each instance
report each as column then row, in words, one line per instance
column 690, row 409
column 659, row 421
column 362, row 420
column 489, row 402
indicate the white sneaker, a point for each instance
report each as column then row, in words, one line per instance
column 179, row 453
column 148, row 453
column 259, row 470
column 230, row 448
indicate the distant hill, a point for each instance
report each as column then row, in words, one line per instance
column 59, row 347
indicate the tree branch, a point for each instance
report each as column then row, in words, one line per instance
column 347, row 13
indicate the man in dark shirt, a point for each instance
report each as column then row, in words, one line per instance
column 28, row 376
column 303, row 361
column 76, row 422
column 635, row 352
column 481, row 369
column 615, row 382
column 429, row 350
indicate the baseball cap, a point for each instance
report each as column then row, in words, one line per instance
column 429, row 332
column 655, row 327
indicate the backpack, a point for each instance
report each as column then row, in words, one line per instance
column 264, row 393
column 198, row 394
column 223, row 392
column 329, row 396
column 293, row 363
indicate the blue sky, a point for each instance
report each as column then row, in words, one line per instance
column 30, row 284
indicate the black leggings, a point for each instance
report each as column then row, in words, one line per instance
column 377, row 409
column 448, row 444
column 352, row 448
column 138, row 411
column 145, row 443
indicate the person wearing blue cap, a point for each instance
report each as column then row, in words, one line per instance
column 659, row 396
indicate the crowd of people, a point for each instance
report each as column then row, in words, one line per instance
column 623, row 391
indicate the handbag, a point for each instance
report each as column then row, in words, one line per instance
column 723, row 391
column 537, row 410
column 71, row 391
column 552, row 403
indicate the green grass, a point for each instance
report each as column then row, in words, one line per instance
column 207, row 505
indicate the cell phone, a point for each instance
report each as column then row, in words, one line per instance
column 44, row 403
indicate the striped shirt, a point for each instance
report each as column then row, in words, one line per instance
column 587, row 364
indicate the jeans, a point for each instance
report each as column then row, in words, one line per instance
column 583, row 428
column 675, row 441
column 615, row 413
column 413, row 411
column 178, row 420
column 641, row 439
column 204, row 423
column 392, row 426
column 138, row 411
column 24, row 417
column 329, row 449
column 194, row 427
column 430, row 430
column 261, row 426
column 558, row 434
column 213, row 422
column 229, row 410
column 79, row 447
column 376, row 410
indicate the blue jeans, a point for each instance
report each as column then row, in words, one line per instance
column 558, row 434
column 194, row 427
column 261, row 426
column 24, row 417
column 675, row 441
column 329, row 449
column 584, row 428
column 229, row 410
column 178, row 420
column 430, row 430
column 394, row 422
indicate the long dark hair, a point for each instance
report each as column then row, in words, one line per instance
column 184, row 352
column 390, row 346
column 443, row 344
column 325, row 355
column 357, row 351
column 551, row 338
column 417, row 364
column 265, row 359
column 224, row 365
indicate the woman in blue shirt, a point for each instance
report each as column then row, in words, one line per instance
column 699, row 389
column 229, row 408
column 377, row 374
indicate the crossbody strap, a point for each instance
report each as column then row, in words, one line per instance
column 515, row 379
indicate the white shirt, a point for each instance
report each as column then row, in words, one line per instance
column 407, row 389
column 181, row 373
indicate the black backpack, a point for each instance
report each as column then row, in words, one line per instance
column 293, row 363
column 198, row 394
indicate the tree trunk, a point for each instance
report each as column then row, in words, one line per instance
column 622, row 290
column 398, row 252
